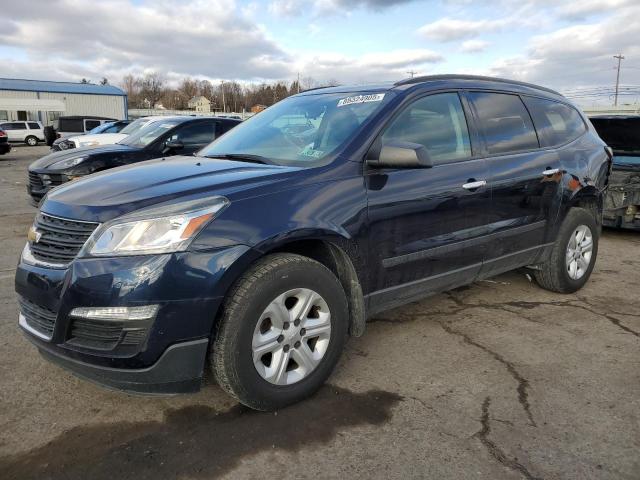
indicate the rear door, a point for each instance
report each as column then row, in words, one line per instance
column 16, row 131
column 426, row 224
column 524, row 179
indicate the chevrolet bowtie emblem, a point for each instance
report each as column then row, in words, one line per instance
column 34, row 235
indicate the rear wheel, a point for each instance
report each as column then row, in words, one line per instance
column 31, row 141
column 574, row 254
column 283, row 328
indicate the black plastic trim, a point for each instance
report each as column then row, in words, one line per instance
column 178, row 370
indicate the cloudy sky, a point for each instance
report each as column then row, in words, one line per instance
column 567, row 45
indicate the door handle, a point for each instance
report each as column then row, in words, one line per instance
column 551, row 171
column 473, row 184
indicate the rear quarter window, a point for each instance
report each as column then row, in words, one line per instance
column 504, row 122
column 71, row 125
column 556, row 122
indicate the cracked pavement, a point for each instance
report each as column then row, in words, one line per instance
column 498, row 380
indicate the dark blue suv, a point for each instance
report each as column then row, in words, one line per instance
column 259, row 256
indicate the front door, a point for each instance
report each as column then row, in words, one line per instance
column 193, row 136
column 524, row 181
column 427, row 224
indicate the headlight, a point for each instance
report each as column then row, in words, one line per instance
column 69, row 162
column 156, row 230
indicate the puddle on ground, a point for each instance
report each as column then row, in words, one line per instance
column 196, row 441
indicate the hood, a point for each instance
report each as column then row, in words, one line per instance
column 97, row 139
column 48, row 160
column 110, row 194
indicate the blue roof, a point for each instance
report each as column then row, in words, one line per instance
column 58, row 87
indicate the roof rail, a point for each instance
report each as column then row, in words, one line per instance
column 433, row 78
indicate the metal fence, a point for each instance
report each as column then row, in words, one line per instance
column 147, row 112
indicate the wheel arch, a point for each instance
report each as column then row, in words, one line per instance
column 333, row 251
column 590, row 199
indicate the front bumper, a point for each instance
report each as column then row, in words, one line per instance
column 178, row 370
column 39, row 183
column 169, row 356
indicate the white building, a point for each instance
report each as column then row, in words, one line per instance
column 45, row 101
column 200, row 104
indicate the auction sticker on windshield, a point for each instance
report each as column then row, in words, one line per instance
column 373, row 97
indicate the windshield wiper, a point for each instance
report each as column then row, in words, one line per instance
column 242, row 157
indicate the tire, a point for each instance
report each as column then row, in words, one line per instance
column 242, row 372
column 556, row 274
column 31, row 141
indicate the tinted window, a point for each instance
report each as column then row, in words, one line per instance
column 195, row 134
column 34, row 125
column 504, row 122
column 438, row 123
column 91, row 124
column 556, row 122
column 71, row 125
column 14, row 126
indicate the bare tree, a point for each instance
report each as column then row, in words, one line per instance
column 152, row 88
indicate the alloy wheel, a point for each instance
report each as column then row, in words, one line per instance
column 579, row 252
column 291, row 336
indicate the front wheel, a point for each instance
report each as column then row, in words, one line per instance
column 283, row 328
column 31, row 141
column 573, row 255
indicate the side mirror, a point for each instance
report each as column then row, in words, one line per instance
column 174, row 145
column 398, row 154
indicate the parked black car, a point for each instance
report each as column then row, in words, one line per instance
column 175, row 135
column 258, row 257
column 622, row 203
column 5, row 146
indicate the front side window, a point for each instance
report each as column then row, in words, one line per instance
column 34, row 126
column 195, row 134
column 556, row 122
column 504, row 122
column 304, row 130
column 438, row 123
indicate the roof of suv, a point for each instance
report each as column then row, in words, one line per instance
column 461, row 81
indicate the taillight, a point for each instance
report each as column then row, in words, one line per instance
column 2, row 133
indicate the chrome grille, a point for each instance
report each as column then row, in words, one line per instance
column 60, row 239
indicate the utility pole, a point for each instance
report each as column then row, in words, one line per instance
column 620, row 57
column 224, row 104
column 412, row 73
column 298, row 82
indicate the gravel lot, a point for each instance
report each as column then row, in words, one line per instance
column 497, row 380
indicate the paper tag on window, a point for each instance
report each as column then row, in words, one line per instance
column 374, row 97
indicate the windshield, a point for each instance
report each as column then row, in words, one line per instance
column 134, row 126
column 100, row 128
column 301, row 131
column 149, row 133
